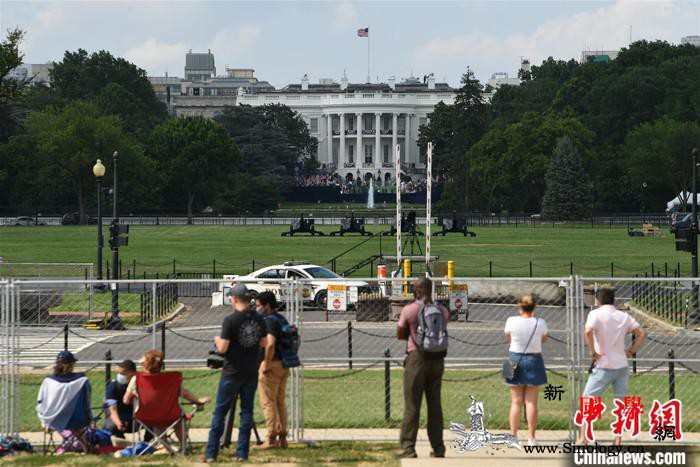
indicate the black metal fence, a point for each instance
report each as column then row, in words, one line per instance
column 672, row 303
column 166, row 298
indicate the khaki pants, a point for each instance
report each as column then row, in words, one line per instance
column 272, row 387
column 420, row 376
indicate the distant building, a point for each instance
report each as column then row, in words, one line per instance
column 35, row 73
column 166, row 87
column 692, row 40
column 499, row 79
column 595, row 56
column 199, row 66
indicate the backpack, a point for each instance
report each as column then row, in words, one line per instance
column 431, row 334
column 287, row 344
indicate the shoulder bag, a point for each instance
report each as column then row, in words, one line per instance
column 510, row 367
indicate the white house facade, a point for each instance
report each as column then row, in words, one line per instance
column 359, row 125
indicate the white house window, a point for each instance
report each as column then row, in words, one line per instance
column 313, row 125
column 422, row 121
column 351, row 153
column 368, row 153
column 386, row 153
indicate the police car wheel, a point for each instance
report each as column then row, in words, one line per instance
column 321, row 299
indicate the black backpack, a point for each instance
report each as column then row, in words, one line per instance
column 287, row 344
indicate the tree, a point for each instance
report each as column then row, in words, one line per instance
column 70, row 139
column 568, row 195
column 453, row 130
column 195, row 157
column 658, row 160
column 119, row 87
column 10, row 88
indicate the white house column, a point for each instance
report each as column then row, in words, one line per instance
column 394, row 134
column 406, row 156
column 341, row 152
column 358, row 144
column 329, row 136
column 377, row 152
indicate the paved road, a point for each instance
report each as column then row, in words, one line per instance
column 189, row 337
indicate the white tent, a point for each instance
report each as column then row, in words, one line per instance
column 683, row 198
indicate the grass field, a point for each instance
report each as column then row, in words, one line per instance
column 342, row 399
column 325, row 453
column 509, row 249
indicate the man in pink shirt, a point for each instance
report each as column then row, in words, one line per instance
column 605, row 331
column 422, row 374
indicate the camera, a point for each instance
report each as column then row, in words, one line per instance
column 215, row 361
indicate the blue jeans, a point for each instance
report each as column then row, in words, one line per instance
column 601, row 378
column 229, row 387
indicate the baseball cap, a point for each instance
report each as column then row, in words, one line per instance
column 238, row 290
column 127, row 364
column 66, row 357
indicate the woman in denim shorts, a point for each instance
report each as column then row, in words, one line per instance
column 525, row 333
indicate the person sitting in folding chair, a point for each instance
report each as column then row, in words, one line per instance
column 63, row 406
column 156, row 400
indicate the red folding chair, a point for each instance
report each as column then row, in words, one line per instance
column 159, row 410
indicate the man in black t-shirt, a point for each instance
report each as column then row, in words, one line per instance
column 119, row 416
column 242, row 334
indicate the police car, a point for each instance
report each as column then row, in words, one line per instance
column 315, row 280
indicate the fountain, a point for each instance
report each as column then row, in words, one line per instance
column 370, row 194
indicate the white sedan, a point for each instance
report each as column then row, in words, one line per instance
column 315, row 282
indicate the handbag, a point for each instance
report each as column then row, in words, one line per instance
column 509, row 366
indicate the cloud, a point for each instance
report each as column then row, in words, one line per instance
column 50, row 16
column 233, row 44
column 604, row 28
column 156, row 57
column 345, row 16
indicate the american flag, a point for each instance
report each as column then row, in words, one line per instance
column 363, row 32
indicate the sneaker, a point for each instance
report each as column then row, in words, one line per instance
column 126, row 452
column 206, row 460
column 144, row 448
column 437, row 453
column 532, row 442
column 407, row 454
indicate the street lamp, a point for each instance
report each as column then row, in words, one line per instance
column 99, row 171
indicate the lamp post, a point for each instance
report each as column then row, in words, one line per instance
column 99, row 171
column 115, row 322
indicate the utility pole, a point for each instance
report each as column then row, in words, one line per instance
column 694, row 233
column 115, row 322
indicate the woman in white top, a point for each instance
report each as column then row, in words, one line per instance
column 525, row 334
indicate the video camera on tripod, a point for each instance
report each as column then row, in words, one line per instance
column 215, row 361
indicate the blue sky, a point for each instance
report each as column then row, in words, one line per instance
column 284, row 40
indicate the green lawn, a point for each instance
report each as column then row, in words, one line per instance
column 324, row 453
column 343, row 399
column 509, row 249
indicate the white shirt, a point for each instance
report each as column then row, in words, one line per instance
column 520, row 330
column 609, row 328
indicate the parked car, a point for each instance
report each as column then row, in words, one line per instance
column 681, row 221
column 27, row 221
column 315, row 287
column 73, row 218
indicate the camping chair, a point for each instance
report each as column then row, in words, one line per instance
column 159, row 410
column 64, row 407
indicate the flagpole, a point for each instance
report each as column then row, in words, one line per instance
column 368, row 75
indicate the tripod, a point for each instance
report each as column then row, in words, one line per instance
column 226, row 440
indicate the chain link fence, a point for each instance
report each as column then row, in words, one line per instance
column 350, row 385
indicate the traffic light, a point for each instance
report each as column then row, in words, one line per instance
column 686, row 240
column 115, row 230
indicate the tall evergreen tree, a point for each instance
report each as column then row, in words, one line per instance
column 568, row 195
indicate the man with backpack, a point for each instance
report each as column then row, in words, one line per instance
column 280, row 355
column 423, row 324
column 242, row 334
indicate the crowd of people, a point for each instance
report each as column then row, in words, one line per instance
column 249, row 342
column 360, row 184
